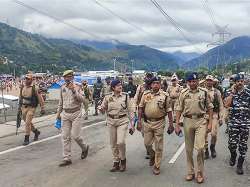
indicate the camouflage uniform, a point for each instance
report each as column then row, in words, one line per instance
column 239, row 122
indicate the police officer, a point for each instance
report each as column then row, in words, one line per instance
column 226, row 94
column 88, row 96
column 97, row 94
column 155, row 104
column 30, row 98
column 174, row 91
column 238, row 122
column 106, row 87
column 138, row 95
column 69, row 110
column 194, row 103
column 119, row 114
column 130, row 88
column 216, row 99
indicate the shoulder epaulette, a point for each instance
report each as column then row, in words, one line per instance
column 108, row 94
column 203, row 89
column 184, row 90
column 146, row 92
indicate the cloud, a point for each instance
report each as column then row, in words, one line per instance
column 147, row 26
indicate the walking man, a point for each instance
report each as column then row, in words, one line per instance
column 30, row 98
column 155, row 105
column 194, row 102
column 69, row 110
column 218, row 110
column 238, row 122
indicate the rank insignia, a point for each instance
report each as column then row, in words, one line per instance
column 111, row 99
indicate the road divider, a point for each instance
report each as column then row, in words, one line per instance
column 177, row 154
column 47, row 139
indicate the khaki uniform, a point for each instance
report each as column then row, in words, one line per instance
column 216, row 115
column 156, row 106
column 119, row 113
column 28, row 111
column 174, row 92
column 194, row 105
column 106, row 90
column 137, row 99
column 70, row 109
column 89, row 97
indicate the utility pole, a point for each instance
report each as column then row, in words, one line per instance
column 222, row 37
column 132, row 65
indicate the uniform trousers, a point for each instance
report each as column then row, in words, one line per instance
column 71, row 127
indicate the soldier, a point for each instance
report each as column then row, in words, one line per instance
column 130, row 88
column 238, row 122
column 97, row 94
column 226, row 94
column 106, row 87
column 194, row 103
column 88, row 96
column 174, row 91
column 30, row 98
column 218, row 110
column 119, row 114
column 155, row 105
column 137, row 98
column 164, row 85
column 69, row 110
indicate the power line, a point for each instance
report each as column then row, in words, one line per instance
column 176, row 25
column 55, row 18
column 119, row 17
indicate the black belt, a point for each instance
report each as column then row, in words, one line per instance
column 194, row 116
column 116, row 116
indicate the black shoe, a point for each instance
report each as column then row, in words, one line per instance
column 96, row 114
column 206, row 154
column 65, row 163
column 37, row 133
column 233, row 158
column 147, row 155
column 239, row 169
column 26, row 140
column 85, row 153
column 86, row 118
column 116, row 167
column 213, row 151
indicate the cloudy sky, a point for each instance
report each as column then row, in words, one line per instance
column 131, row 21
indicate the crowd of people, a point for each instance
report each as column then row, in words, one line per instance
column 196, row 107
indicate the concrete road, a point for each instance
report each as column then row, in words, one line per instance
column 37, row 164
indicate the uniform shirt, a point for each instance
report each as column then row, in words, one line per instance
column 139, row 92
column 70, row 100
column 87, row 92
column 174, row 91
column 240, row 111
column 194, row 102
column 27, row 92
column 212, row 93
column 106, row 90
column 130, row 89
column 156, row 105
column 98, row 87
column 118, row 106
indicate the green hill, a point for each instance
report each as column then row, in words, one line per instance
column 34, row 52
